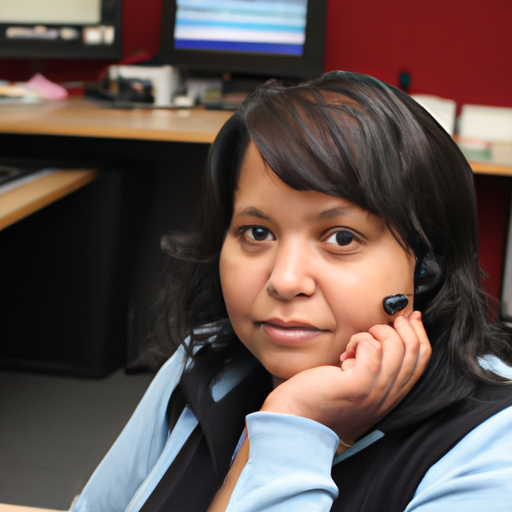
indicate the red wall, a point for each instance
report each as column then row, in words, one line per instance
column 493, row 198
column 458, row 49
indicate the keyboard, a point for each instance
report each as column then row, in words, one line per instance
column 10, row 173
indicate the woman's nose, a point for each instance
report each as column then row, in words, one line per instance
column 292, row 274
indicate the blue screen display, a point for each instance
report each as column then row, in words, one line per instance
column 254, row 26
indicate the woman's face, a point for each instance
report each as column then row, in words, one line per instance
column 302, row 271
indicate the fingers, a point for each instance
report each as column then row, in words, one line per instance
column 397, row 360
column 382, row 365
column 350, row 349
column 406, row 351
column 406, row 344
column 417, row 348
column 389, row 373
column 348, row 360
column 411, row 345
column 363, row 369
column 369, row 353
column 425, row 350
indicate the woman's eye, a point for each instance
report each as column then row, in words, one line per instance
column 259, row 234
column 341, row 238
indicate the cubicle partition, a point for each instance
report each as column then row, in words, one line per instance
column 81, row 280
column 63, row 284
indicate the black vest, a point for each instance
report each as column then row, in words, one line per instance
column 381, row 478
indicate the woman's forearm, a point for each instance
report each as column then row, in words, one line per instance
column 284, row 465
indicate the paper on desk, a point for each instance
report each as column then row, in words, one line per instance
column 48, row 89
column 16, row 93
column 486, row 123
column 441, row 109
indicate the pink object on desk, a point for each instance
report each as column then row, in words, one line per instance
column 47, row 88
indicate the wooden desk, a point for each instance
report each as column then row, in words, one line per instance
column 79, row 118
column 76, row 117
column 19, row 508
column 27, row 198
column 496, row 157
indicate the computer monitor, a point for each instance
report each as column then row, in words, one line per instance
column 70, row 29
column 268, row 38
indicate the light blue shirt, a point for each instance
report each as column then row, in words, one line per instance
column 476, row 475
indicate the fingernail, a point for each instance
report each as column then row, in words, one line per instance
column 416, row 315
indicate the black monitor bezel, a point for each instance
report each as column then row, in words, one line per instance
column 310, row 64
column 111, row 14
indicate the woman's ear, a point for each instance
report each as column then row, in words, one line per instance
column 428, row 274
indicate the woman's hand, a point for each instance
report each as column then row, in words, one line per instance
column 378, row 368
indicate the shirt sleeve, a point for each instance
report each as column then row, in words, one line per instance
column 134, row 453
column 289, row 466
column 475, row 475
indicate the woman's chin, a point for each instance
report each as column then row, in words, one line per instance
column 281, row 375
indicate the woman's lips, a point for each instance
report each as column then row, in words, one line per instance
column 288, row 332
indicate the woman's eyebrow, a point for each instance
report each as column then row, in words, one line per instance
column 335, row 212
column 252, row 212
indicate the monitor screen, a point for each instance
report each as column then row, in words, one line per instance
column 263, row 26
column 75, row 12
column 267, row 37
column 60, row 28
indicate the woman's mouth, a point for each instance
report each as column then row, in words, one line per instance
column 289, row 332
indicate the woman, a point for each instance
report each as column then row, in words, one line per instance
column 323, row 200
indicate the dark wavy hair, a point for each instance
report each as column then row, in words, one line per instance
column 354, row 137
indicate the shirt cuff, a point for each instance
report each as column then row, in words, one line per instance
column 289, row 466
